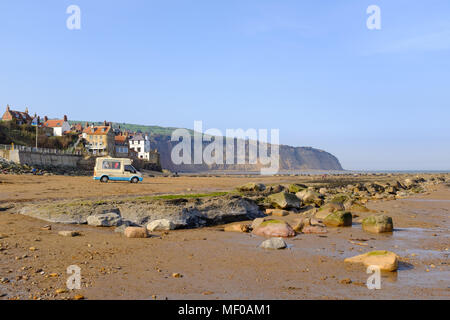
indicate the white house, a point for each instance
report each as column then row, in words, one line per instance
column 141, row 144
column 59, row 126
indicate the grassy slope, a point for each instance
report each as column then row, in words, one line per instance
column 166, row 131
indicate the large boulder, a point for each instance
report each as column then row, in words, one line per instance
column 385, row 260
column 378, row 224
column 109, row 219
column 251, row 186
column 160, row 225
column 284, row 200
column 310, row 197
column 273, row 243
column 338, row 219
column 274, row 228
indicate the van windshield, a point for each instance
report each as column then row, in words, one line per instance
column 130, row 168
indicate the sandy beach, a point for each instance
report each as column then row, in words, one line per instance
column 211, row 263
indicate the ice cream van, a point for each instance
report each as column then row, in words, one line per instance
column 116, row 169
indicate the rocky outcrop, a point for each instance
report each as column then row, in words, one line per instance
column 182, row 213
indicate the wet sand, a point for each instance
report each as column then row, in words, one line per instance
column 216, row 264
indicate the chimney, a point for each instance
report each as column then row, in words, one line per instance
column 104, row 123
column 7, row 107
column 45, row 119
column 26, row 110
column 38, row 120
column 65, row 118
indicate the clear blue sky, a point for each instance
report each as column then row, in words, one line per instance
column 377, row 99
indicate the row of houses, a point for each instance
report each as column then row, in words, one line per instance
column 98, row 140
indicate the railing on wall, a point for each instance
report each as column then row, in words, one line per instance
column 39, row 150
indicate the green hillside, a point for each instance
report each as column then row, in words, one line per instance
column 152, row 130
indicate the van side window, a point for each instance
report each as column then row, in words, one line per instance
column 111, row 165
column 130, row 168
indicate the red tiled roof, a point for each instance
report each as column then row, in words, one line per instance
column 101, row 130
column 53, row 123
column 120, row 138
column 19, row 115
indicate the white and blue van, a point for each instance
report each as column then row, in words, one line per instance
column 116, row 169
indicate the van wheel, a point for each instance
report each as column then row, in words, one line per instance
column 104, row 179
column 134, row 180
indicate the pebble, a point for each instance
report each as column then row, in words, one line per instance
column 68, row 233
column 345, row 281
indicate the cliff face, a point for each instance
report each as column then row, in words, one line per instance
column 291, row 158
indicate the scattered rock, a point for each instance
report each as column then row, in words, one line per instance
column 338, row 219
column 237, row 227
column 67, row 233
column 251, row 186
column 277, row 212
column 284, row 200
column 314, row 229
column 357, row 207
column 385, row 260
column 108, row 219
column 161, row 224
column 176, row 275
column 273, row 243
column 345, row 281
column 297, row 187
column 328, row 208
column 274, row 228
column 135, row 232
column 340, row 198
column 78, row 297
column 378, row 224
column 257, row 222
column 310, row 197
